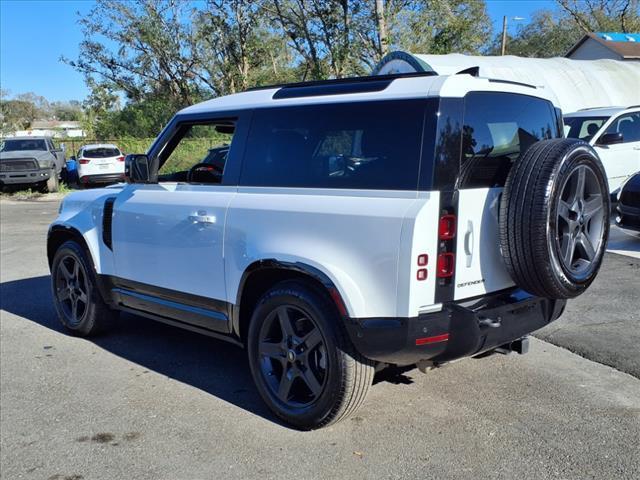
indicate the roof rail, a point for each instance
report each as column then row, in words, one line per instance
column 511, row 82
column 370, row 83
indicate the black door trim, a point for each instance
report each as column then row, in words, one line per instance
column 165, row 304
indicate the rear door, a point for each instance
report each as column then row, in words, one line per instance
column 497, row 129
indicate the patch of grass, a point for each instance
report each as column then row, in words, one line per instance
column 27, row 194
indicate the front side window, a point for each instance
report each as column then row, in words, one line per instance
column 350, row 146
column 23, row 145
column 198, row 153
column 628, row 125
column 497, row 129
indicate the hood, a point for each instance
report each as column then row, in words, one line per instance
column 37, row 154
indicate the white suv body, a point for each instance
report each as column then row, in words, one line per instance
column 374, row 234
column 100, row 163
column 620, row 159
column 382, row 195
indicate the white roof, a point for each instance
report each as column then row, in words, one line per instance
column 93, row 146
column 572, row 84
column 400, row 88
column 597, row 112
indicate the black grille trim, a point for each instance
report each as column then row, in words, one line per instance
column 107, row 221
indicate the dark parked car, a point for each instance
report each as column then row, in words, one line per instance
column 628, row 210
column 31, row 162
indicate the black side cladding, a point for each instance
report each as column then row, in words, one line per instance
column 107, row 221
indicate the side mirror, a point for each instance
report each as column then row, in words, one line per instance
column 610, row 139
column 136, row 168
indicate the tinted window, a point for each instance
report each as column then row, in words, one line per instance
column 101, row 153
column 22, row 145
column 583, row 128
column 497, row 129
column 628, row 125
column 357, row 145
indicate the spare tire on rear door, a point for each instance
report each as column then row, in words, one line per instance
column 554, row 218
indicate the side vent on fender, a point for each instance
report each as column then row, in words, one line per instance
column 107, row 220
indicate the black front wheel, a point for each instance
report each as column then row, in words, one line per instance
column 75, row 294
column 302, row 361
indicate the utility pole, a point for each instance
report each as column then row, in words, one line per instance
column 504, row 35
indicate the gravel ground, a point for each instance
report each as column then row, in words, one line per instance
column 152, row 402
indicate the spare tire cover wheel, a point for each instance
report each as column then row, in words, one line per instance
column 554, row 218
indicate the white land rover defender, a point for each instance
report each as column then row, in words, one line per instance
column 333, row 228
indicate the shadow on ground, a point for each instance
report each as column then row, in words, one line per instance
column 210, row 365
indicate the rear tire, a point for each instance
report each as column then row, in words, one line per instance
column 302, row 360
column 76, row 297
column 554, row 218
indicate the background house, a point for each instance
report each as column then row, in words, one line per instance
column 610, row 45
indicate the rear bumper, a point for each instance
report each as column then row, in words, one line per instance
column 458, row 330
column 628, row 217
column 102, row 178
column 24, row 177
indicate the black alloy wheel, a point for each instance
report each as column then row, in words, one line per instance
column 293, row 358
column 302, row 360
column 580, row 220
column 77, row 300
column 72, row 289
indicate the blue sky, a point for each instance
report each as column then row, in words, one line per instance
column 34, row 34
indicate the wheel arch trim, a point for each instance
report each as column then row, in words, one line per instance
column 299, row 267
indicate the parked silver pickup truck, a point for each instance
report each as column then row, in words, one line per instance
column 31, row 162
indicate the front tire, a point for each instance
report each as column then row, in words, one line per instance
column 76, row 297
column 302, row 361
column 52, row 185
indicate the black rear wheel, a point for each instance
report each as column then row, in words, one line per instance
column 302, row 361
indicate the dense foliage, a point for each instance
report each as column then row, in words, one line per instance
column 145, row 59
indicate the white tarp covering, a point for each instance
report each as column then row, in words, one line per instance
column 573, row 84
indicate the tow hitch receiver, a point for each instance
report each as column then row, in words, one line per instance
column 520, row 346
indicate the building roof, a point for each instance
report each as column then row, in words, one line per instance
column 626, row 45
column 571, row 84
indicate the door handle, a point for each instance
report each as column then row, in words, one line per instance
column 468, row 243
column 200, row 217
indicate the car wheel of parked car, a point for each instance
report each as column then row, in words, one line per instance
column 53, row 183
column 78, row 302
column 554, row 218
column 302, row 360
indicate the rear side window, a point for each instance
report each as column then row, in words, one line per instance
column 101, row 153
column 497, row 129
column 357, row 145
column 628, row 125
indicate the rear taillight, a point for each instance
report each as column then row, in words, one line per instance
column 447, row 227
column 446, row 265
column 446, row 261
column 83, row 161
column 120, row 158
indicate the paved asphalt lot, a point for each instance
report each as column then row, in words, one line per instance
column 152, row 402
